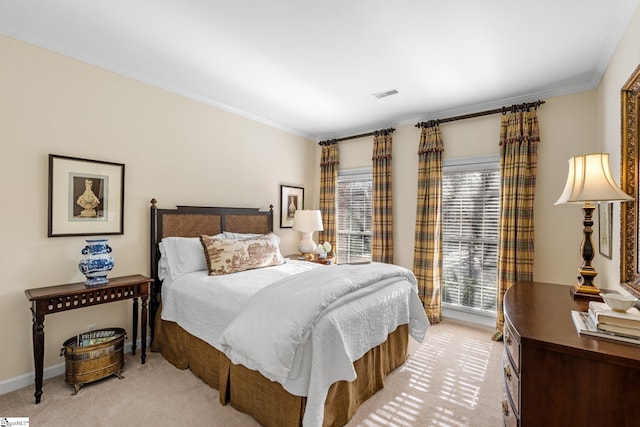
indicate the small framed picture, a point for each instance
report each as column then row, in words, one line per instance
column 291, row 199
column 86, row 197
column 605, row 217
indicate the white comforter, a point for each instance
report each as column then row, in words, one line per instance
column 204, row 305
column 311, row 354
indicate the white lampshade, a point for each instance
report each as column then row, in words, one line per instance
column 589, row 180
column 306, row 222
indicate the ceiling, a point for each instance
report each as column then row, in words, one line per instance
column 312, row 68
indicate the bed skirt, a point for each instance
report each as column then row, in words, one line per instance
column 267, row 401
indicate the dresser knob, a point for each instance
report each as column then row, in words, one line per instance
column 505, row 408
column 507, row 373
column 507, row 338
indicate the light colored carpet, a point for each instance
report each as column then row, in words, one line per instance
column 453, row 379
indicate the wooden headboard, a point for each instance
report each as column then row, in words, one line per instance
column 193, row 221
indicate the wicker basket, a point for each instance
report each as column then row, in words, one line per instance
column 93, row 355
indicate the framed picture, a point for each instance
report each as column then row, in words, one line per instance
column 291, row 199
column 605, row 216
column 86, row 197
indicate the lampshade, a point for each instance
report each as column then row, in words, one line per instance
column 589, row 180
column 307, row 220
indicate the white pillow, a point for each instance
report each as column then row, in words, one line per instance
column 239, row 236
column 163, row 264
column 244, row 236
column 183, row 255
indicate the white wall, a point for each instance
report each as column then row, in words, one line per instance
column 174, row 149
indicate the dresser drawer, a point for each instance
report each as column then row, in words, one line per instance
column 509, row 418
column 511, row 384
column 512, row 345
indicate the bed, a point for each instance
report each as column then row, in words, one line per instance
column 310, row 384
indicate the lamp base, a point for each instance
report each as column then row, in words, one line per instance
column 585, row 288
column 306, row 246
column 588, row 292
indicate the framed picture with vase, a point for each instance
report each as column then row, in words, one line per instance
column 291, row 199
column 86, row 197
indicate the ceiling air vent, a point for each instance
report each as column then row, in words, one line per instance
column 387, row 93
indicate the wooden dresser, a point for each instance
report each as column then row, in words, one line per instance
column 555, row 377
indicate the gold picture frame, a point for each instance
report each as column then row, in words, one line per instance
column 629, row 231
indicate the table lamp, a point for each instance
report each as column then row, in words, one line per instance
column 306, row 222
column 589, row 180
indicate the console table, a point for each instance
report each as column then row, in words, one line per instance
column 553, row 376
column 54, row 299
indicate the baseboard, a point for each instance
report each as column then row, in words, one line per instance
column 21, row 381
column 469, row 317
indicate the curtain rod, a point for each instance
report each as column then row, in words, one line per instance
column 504, row 110
column 362, row 135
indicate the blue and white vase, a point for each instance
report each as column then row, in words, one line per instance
column 98, row 263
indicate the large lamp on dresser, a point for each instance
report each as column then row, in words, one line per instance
column 589, row 181
column 306, row 222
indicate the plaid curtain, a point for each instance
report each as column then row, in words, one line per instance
column 427, row 256
column 382, row 216
column 328, row 176
column 519, row 138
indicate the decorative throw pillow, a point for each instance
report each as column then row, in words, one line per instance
column 231, row 256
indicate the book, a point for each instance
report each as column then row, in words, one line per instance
column 585, row 326
column 604, row 314
column 95, row 337
column 620, row 330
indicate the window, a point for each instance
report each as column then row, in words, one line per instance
column 470, row 215
column 353, row 215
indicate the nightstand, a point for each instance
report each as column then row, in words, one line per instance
column 316, row 259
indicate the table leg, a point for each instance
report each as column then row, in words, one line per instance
column 38, row 351
column 143, row 329
column 135, row 325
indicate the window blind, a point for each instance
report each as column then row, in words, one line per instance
column 470, row 215
column 353, row 216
